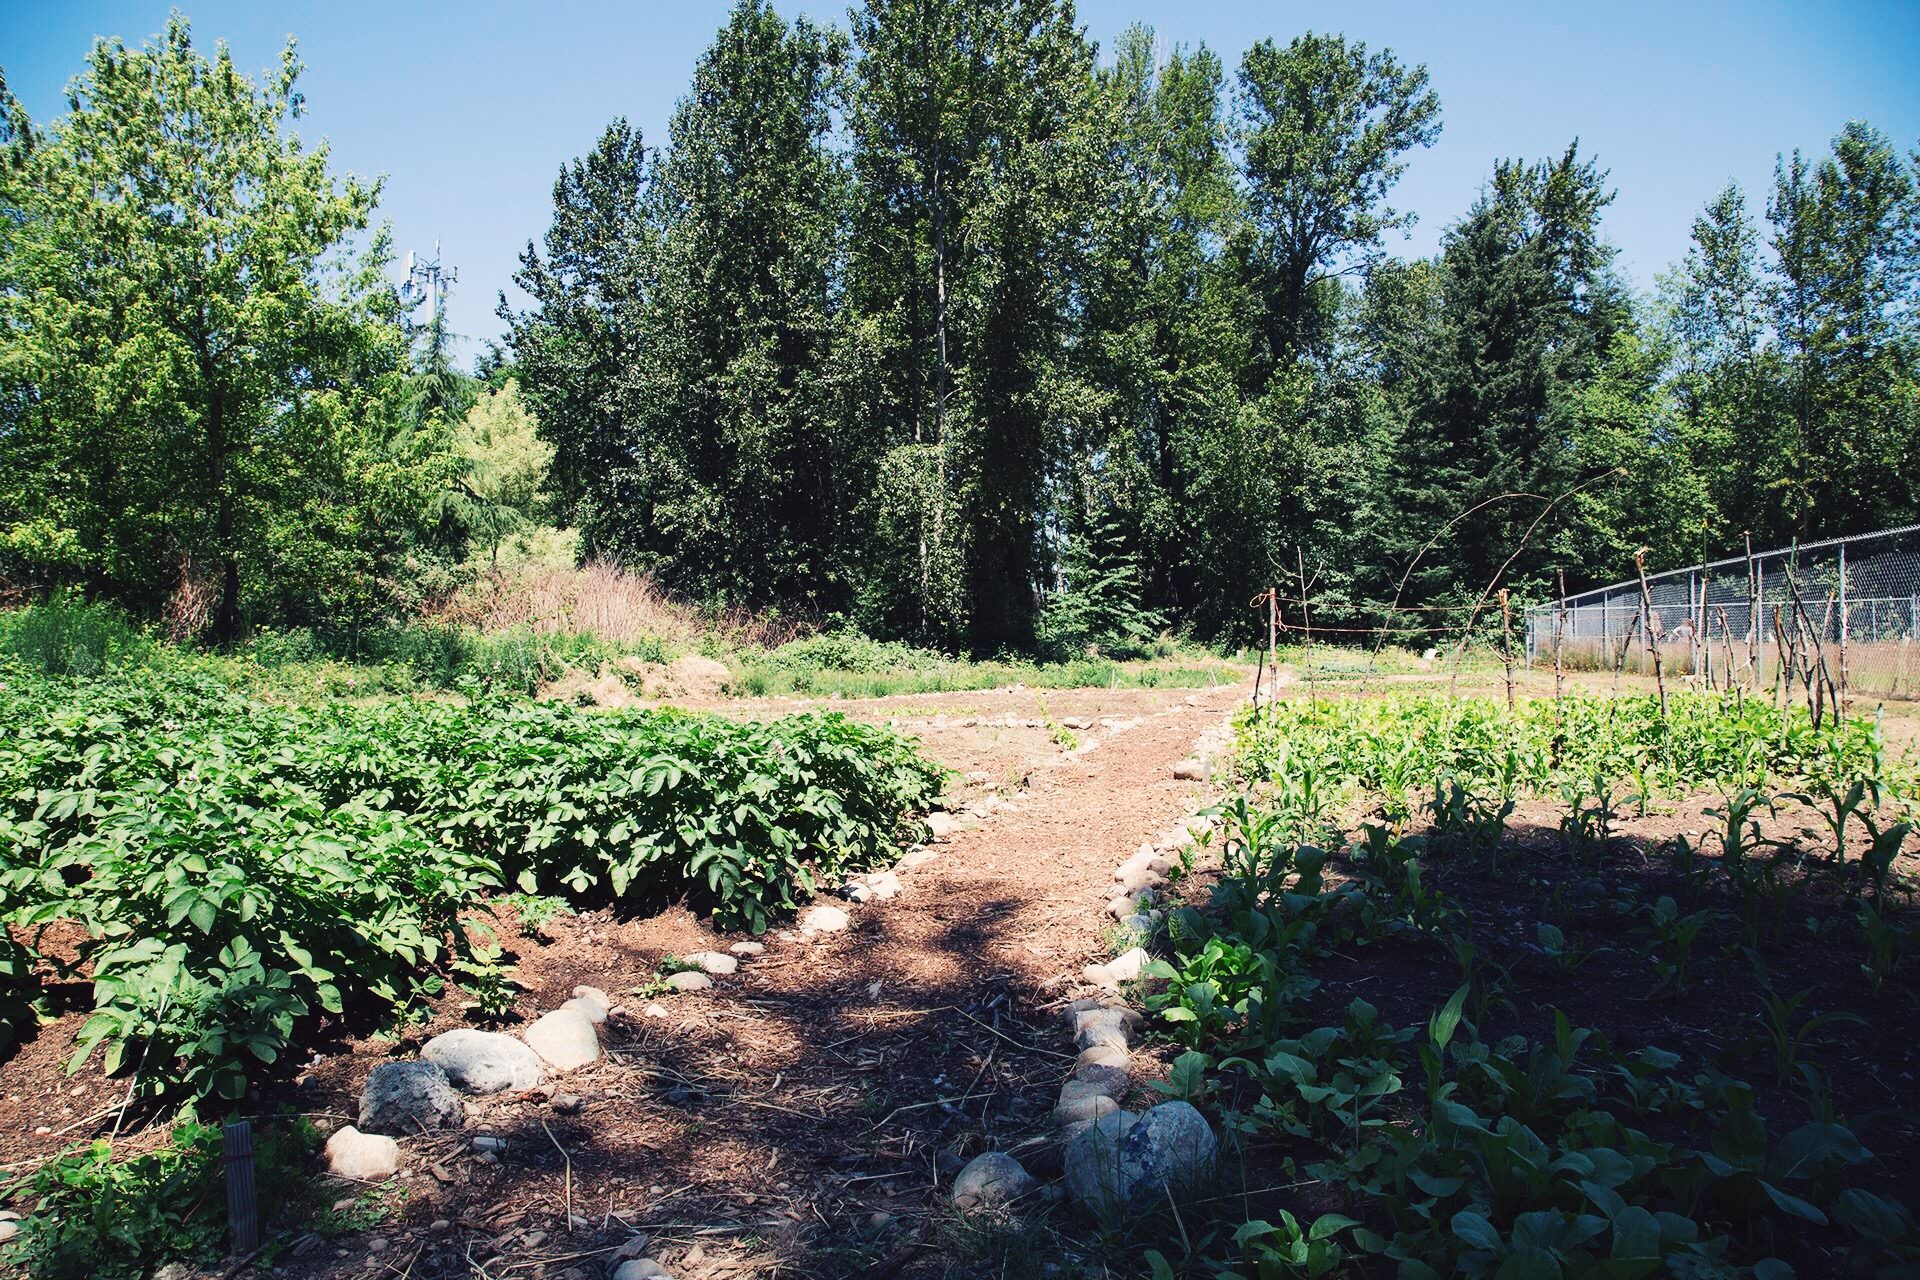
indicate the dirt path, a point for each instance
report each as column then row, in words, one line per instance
column 805, row 1116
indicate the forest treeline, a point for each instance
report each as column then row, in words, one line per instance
column 950, row 324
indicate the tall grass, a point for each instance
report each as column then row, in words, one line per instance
column 603, row 600
column 67, row 636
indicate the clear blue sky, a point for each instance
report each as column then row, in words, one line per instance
column 469, row 109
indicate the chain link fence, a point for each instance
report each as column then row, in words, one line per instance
column 1843, row 614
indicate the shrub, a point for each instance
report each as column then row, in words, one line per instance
column 68, row 636
column 243, row 869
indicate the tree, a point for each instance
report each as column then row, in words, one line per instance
column 504, row 467
column 1522, row 316
column 1324, row 129
column 972, row 156
column 735, row 470
column 1846, row 238
column 193, row 359
column 575, row 343
column 1154, row 353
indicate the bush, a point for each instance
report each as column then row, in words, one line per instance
column 92, row 1218
column 244, row 869
column 68, row 636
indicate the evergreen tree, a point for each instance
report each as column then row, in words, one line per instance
column 736, row 470
column 575, row 343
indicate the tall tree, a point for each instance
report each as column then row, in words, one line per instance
column 1525, row 311
column 735, row 464
column 1846, row 238
column 1154, row 351
column 574, row 344
column 197, row 369
column 1324, row 128
column 970, row 141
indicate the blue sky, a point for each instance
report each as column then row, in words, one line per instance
column 469, row 109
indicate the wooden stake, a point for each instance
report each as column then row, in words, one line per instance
column 1506, row 644
column 1559, row 674
column 1653, row 642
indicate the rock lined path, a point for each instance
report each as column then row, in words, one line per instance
column 808, row 1113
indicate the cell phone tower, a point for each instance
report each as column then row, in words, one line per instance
column 424, row 280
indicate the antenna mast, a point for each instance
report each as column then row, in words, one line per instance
column 425, row 281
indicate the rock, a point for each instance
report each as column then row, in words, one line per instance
column 1106, row 1071
column 1122, row 1163
column 915, row 859
column 1125, row 967
column 991, row 1180
column 483, row 1061
column 654, row 1011
column 487, row 1142
column 1104, row 1026
column 8, row 1230
column 1141, row 922
column 940, row 825
column 822, row 919
column 715, row 962
column 564, row 1039
column 364, row 1157
column 408, row 1098
column 689, row 980
column 595, row 998
column 1190, row 770
column 884, row 885
column 748, row 948
column 1141, row 878
column 641, row 1269
column 1078, row 1102
column 592, row 1010
column 1121, row 907
column 569, row 1104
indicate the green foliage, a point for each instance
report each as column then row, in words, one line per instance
column 65, row 635
column 92, row 1215
column 175, row 265
column 243, row 869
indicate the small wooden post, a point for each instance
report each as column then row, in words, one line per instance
column 1653, row 641
column 1273, row 635
column 1559, row 672
column 1754, row 604
column 243, row 1212
column 1506, row 644
column 1843, row 703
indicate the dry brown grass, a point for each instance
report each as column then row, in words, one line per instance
column 606, row 601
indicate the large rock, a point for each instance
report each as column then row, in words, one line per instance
column 641, row 1269
column 991, row 1180
column 592, row 1001
column 941, row 825
column 717, row 962
column 408, row 1098
column 1097, row 1024
column 564, row 1039
column 1079, row 1103
column 1122, row 1163
column 1126, row 967
column 1190, row 770
column 1104, row 1069
column 689, row 980
column 822, row 919
column 364, row 1157
column 484, row 1061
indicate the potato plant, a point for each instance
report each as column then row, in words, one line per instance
column 241, row 869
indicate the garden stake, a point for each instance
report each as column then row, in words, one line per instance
column 243, row 1212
